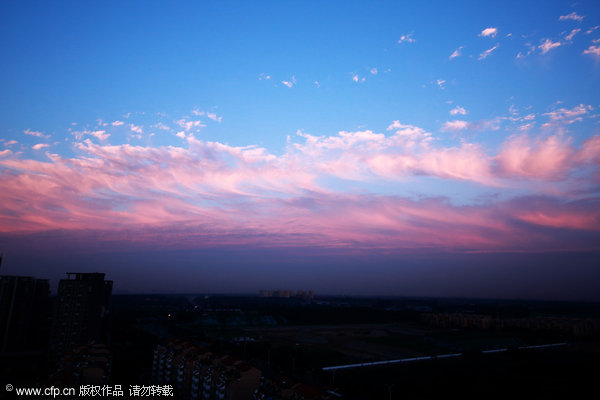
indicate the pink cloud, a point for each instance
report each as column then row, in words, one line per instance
column 35, row 133
column 214, row 194
column 593, row 50
column 491, row 32
column 548, row 45
column 487, row 53
column 547, row 158
column 572, row 16
column 456, row 125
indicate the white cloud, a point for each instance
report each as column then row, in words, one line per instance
column 456, row 125
column 10, row 142
column 135, row 128
column 357, row 78
column 440, row 83
column 214, row 116
column 188, row 125
column 573, row 16
column 458, row 110
column 489, row 32
column 317, row 84
column 374, row 71
column 406, row 38
column 486, row 53
column 456, row 53
column 40, row 146
column 548, row 45
column 264, row 76
column 35, row 133
column 117, row 123
column 290, row 83
column 162, row 126
column 180, row 134
column 100, row 135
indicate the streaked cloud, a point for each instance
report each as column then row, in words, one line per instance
column 593, row 50
column 573, row 32
column 572, row 16
column 31, row 132
column 486, row 53
column 456, row 125
column 456, row 53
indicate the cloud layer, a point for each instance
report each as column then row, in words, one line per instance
column 206, row 194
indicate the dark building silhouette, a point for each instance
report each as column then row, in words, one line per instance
column 81, row 313
column 23, row 313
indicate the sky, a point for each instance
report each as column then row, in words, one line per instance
column 370, row 148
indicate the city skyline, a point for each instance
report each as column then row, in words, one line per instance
column 349, row 148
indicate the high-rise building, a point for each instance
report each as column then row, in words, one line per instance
column 81, row 312
column 23, row 313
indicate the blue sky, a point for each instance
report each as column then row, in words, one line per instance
column 462, row 127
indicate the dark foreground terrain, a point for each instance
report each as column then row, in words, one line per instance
column 285, row 348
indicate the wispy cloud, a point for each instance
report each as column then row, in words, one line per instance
column 373, row 71
column 187, row 124
column 31, row 132
column 572, row 16
column 548, row 45
column 592, row 29
column 440, row 83
column 573, row 32
column 136, row 128
column 406, row 39
column 357, row 78
column 456, row 53
column 486, row 53
column 99, row 134
column 458, row 110
column 565, row 116
column 593, row 50
column 456, row 125
column 40, row 146
column 117, row 123
column 165, row 196
column 290, row 83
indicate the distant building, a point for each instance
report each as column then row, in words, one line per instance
column 286, row 294
column 81, row 313
column 23, row 313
